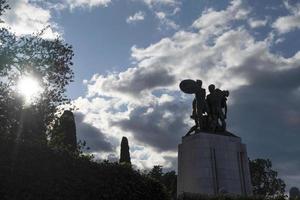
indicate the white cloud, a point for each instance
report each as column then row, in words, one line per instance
column 165, row 22
column 211, row 20
column 139, row 16
column 257, row 23
column 87, row 3
column 151, row 3
column 27, row 18
column 287, row 23
column 163, row 10
column 290, row 22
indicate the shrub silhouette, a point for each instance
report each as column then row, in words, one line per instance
column 37, row 172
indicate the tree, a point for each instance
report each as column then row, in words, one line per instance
column 168, row 179
column 156, row 173
column 49, row 61
column 64, row 132
column 3, row 6
column 264, row 179
column 124, row 154
column 294, row 193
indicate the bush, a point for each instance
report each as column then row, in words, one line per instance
column 190, row 196
column 30, row 172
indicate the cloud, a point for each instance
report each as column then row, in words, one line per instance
column 165, row 22
column 133, row 83
column 139, row 16
column 94, row 138
column 211, row 20
column 287, row 23
column 144, row 103
column 159, row 125
column 257, row 23
column 290, row 22
column 28, row 17
column 152, row 3
column 25, row 18
column 87, row 3
column 164, row 10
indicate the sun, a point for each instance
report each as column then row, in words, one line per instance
column 29, row 88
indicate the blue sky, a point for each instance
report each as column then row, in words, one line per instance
column 130, row 56
column 102, row 39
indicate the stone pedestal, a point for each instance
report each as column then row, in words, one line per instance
column 213, row 163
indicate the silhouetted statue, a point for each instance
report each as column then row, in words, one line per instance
column 68, row 128
column 216, row 101
column 124, row 154
column 200, row 103
column 199, row 107
column 196, row 127
column 210, row 113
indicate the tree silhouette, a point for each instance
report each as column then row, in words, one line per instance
column 49, row 61
column 264, row 179
column 3, row 6
column 168, row 179
column 63, row 134
column 156, row 173
column 124, row 154
column 294, row 193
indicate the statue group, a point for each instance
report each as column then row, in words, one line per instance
column 209, row 112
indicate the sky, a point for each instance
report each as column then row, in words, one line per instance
column 130, row 56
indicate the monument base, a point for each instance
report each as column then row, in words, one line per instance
column 211, row 163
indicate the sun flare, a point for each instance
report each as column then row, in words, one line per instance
column 29, row 88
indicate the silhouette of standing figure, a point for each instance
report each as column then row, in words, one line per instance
column 200, row 104
column 194, row 117
column 216, row 101
column 212, row 108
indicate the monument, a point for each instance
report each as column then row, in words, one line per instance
column 211, row 160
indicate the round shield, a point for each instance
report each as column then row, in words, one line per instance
column 188, row 86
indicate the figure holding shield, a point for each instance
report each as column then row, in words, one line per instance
column 199, row 104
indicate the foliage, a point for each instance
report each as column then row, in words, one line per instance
column 190, row 196
column 63, row 134
column 294, row 193
column 37, row 172
column 49, row 61
column 3, row 6
column 156, row 173
column 264, row 179
column 168, row 179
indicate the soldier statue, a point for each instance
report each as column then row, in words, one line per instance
column 199, row 107
column 216, row 102
column 210, row 113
